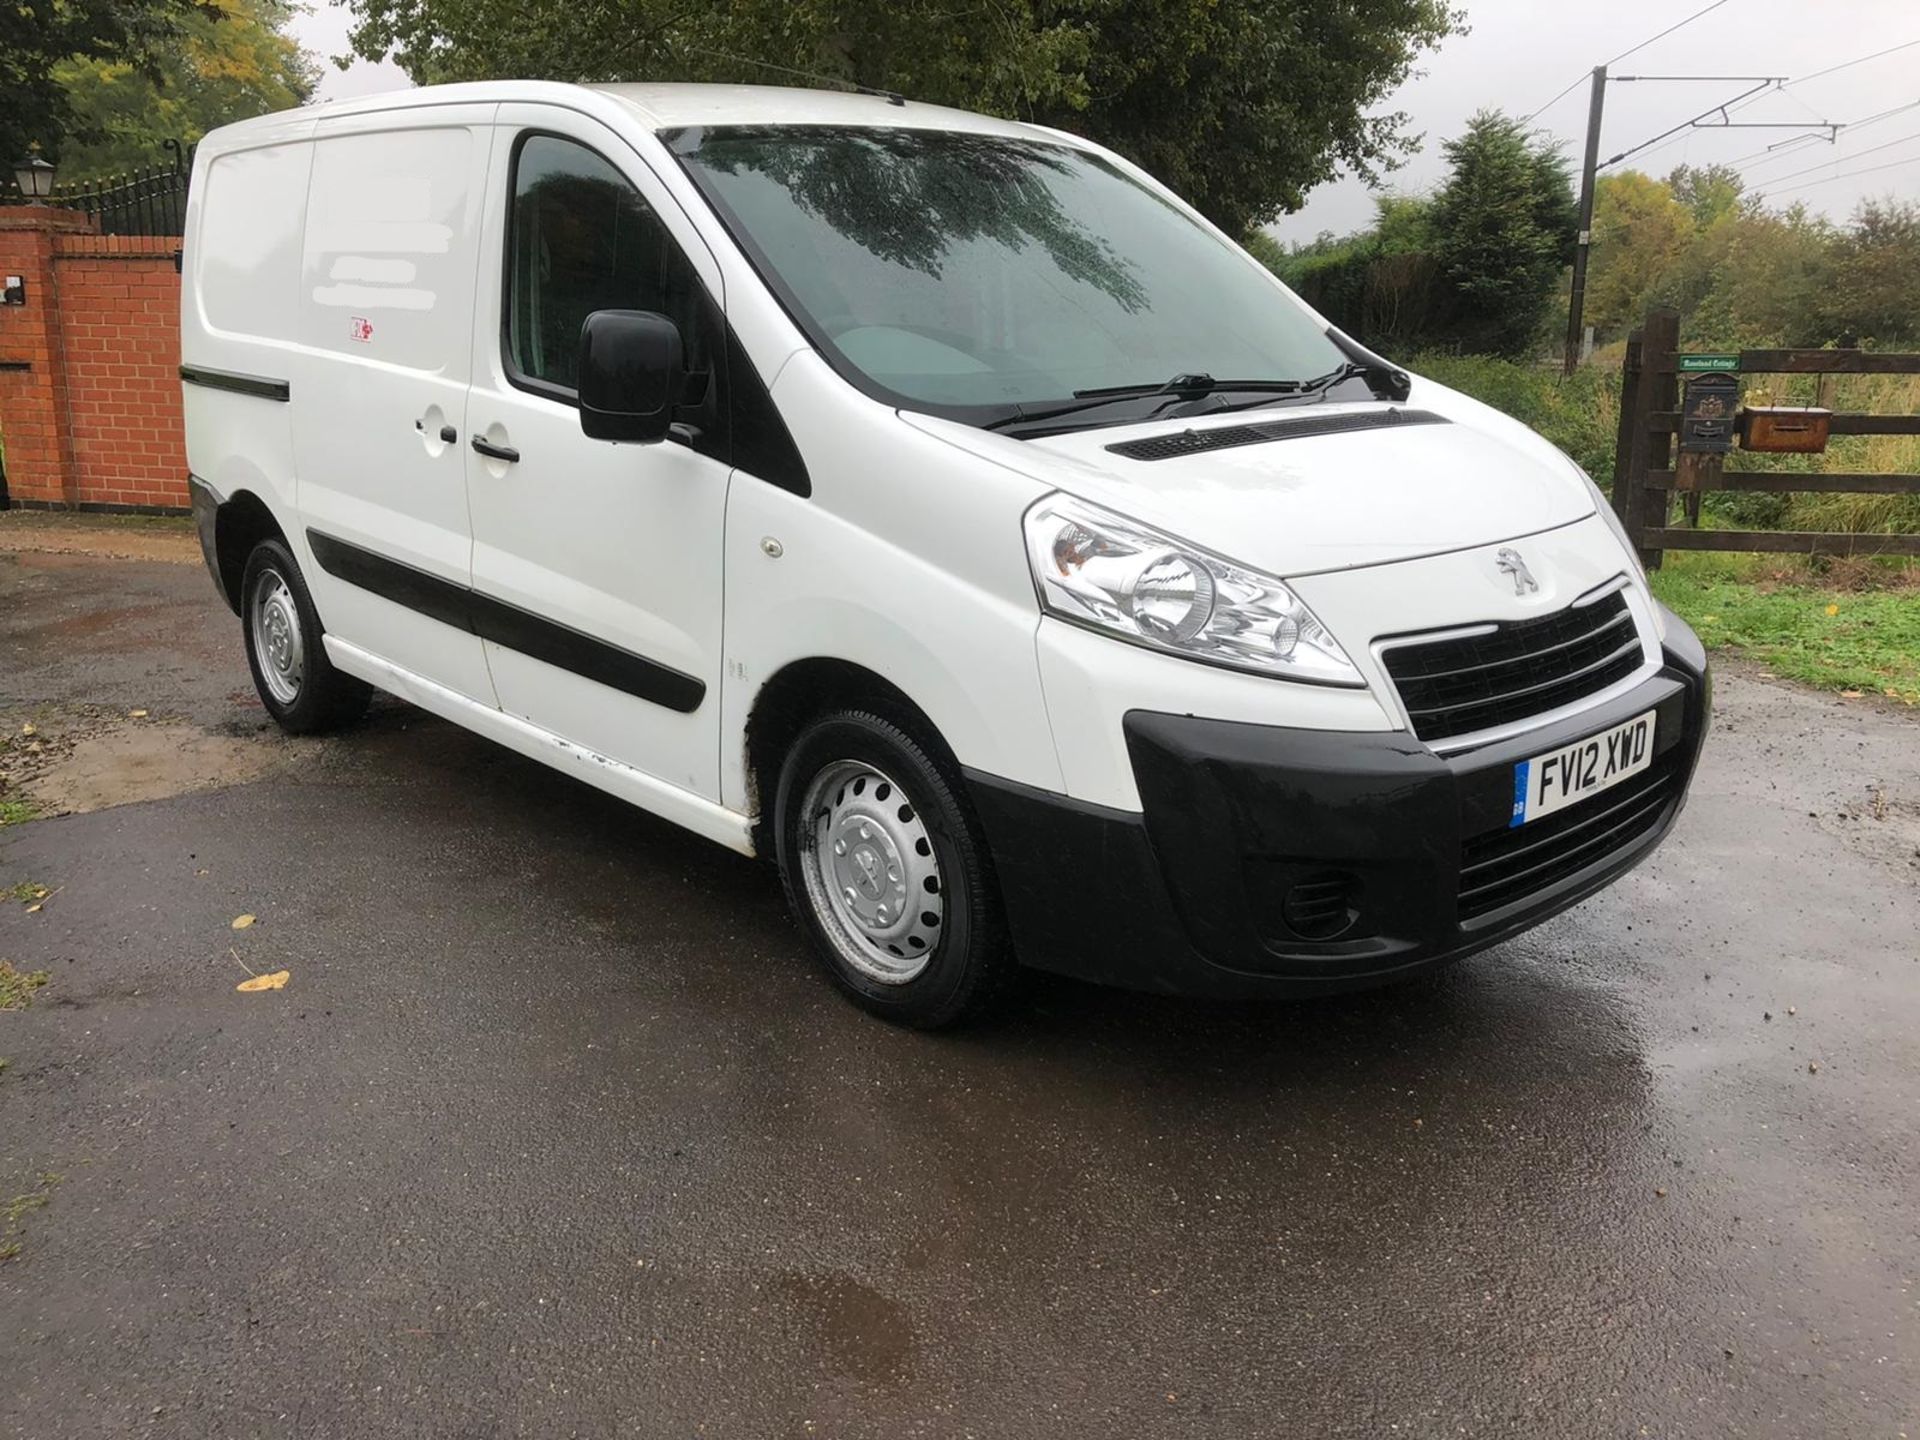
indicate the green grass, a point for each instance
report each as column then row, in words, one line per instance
column 1804, row 626
column 17, row 986
column 15, row 812
column 14, row 1213
column 24, row 893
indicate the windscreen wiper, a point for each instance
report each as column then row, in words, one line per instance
column 1180, row 387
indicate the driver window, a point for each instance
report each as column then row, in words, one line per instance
column 580, row 239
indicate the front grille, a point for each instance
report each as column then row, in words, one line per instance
column 1228, row 437
column 1514, row 671
column 1511, row 863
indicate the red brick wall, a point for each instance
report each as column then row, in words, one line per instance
column 93, row 418
column 120, row 324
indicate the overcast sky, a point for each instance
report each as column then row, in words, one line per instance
column 1521, row 52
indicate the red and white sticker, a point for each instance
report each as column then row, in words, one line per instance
column 359, row 328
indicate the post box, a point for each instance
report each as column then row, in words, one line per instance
column 1785, row 429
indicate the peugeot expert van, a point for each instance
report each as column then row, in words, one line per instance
column 933, row 503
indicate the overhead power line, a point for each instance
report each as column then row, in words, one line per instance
column 1849, row 174
column 1581, row 78
column 1668, row 31
column 1694, row 124
column 1782, row 149
column 1732, row 107
column 1849, row 64
column 1843, row 159
column 1578, row 81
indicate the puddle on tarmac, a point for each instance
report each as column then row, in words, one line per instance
column 141, row 760
column 864, row 1334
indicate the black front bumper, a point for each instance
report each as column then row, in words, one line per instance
column 1295, row 862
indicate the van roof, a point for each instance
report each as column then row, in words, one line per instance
column 668, row 107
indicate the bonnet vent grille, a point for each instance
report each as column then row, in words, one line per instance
column 1228, row 437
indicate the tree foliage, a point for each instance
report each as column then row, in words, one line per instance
column 1473, row 268
column 1241, row 105
column 228, row 61
column 1741, row 274
column 36, row 36
column 1503, row 226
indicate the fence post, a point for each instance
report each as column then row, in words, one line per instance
column 1656, row 391
column 1628, row 429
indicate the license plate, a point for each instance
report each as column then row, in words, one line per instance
column 1561, row 778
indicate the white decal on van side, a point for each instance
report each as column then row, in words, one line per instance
column 382, row 272
column 392, row 237
column 373, row 297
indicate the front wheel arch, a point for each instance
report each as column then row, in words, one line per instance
column 799, row 693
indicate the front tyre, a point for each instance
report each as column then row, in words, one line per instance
column 886, row 869
column 298, row 684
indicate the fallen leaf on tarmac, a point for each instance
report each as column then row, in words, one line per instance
column 1849, row 694
column 27, row 729
column 136, row 714
column 276, row 981
column 243, row 922
column 33, row 909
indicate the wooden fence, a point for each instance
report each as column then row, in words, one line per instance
column 1646, row 476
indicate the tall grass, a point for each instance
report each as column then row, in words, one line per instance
column 1581, row 414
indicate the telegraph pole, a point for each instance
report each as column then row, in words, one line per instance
column 1577, row 302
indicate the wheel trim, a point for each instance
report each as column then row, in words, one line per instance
column 278, row 646
column 872, row 872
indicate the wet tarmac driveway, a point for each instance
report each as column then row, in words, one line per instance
column 553, row 1131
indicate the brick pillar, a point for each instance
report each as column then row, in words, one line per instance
column 35, row 426
column 119, row 341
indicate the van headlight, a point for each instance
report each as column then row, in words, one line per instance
column 1115, row 575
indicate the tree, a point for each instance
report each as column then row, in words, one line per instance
column 1241, row 105
column 1641, row 232
column 35, row 38
column 1380, row 284
column 1503, row 227
column 1874, row 289
column 229, row 61
column 1711, row 192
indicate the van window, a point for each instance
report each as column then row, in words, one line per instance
column 582, row 239
column 974, row 275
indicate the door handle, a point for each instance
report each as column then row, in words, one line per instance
column 448, row 434
column 496, row 452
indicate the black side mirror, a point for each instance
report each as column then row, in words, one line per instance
column 632, row 375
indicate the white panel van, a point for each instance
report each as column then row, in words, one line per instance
column 935, row 504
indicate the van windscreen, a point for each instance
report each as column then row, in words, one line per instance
column 990, row 277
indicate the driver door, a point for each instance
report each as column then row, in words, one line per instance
column 596, row 566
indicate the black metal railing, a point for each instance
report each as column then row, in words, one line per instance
column 149, row 201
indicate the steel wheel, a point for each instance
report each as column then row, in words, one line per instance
column 872, row 874
column 276, row 638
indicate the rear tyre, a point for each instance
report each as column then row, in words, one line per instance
column 886, row 868
column 298, row 684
